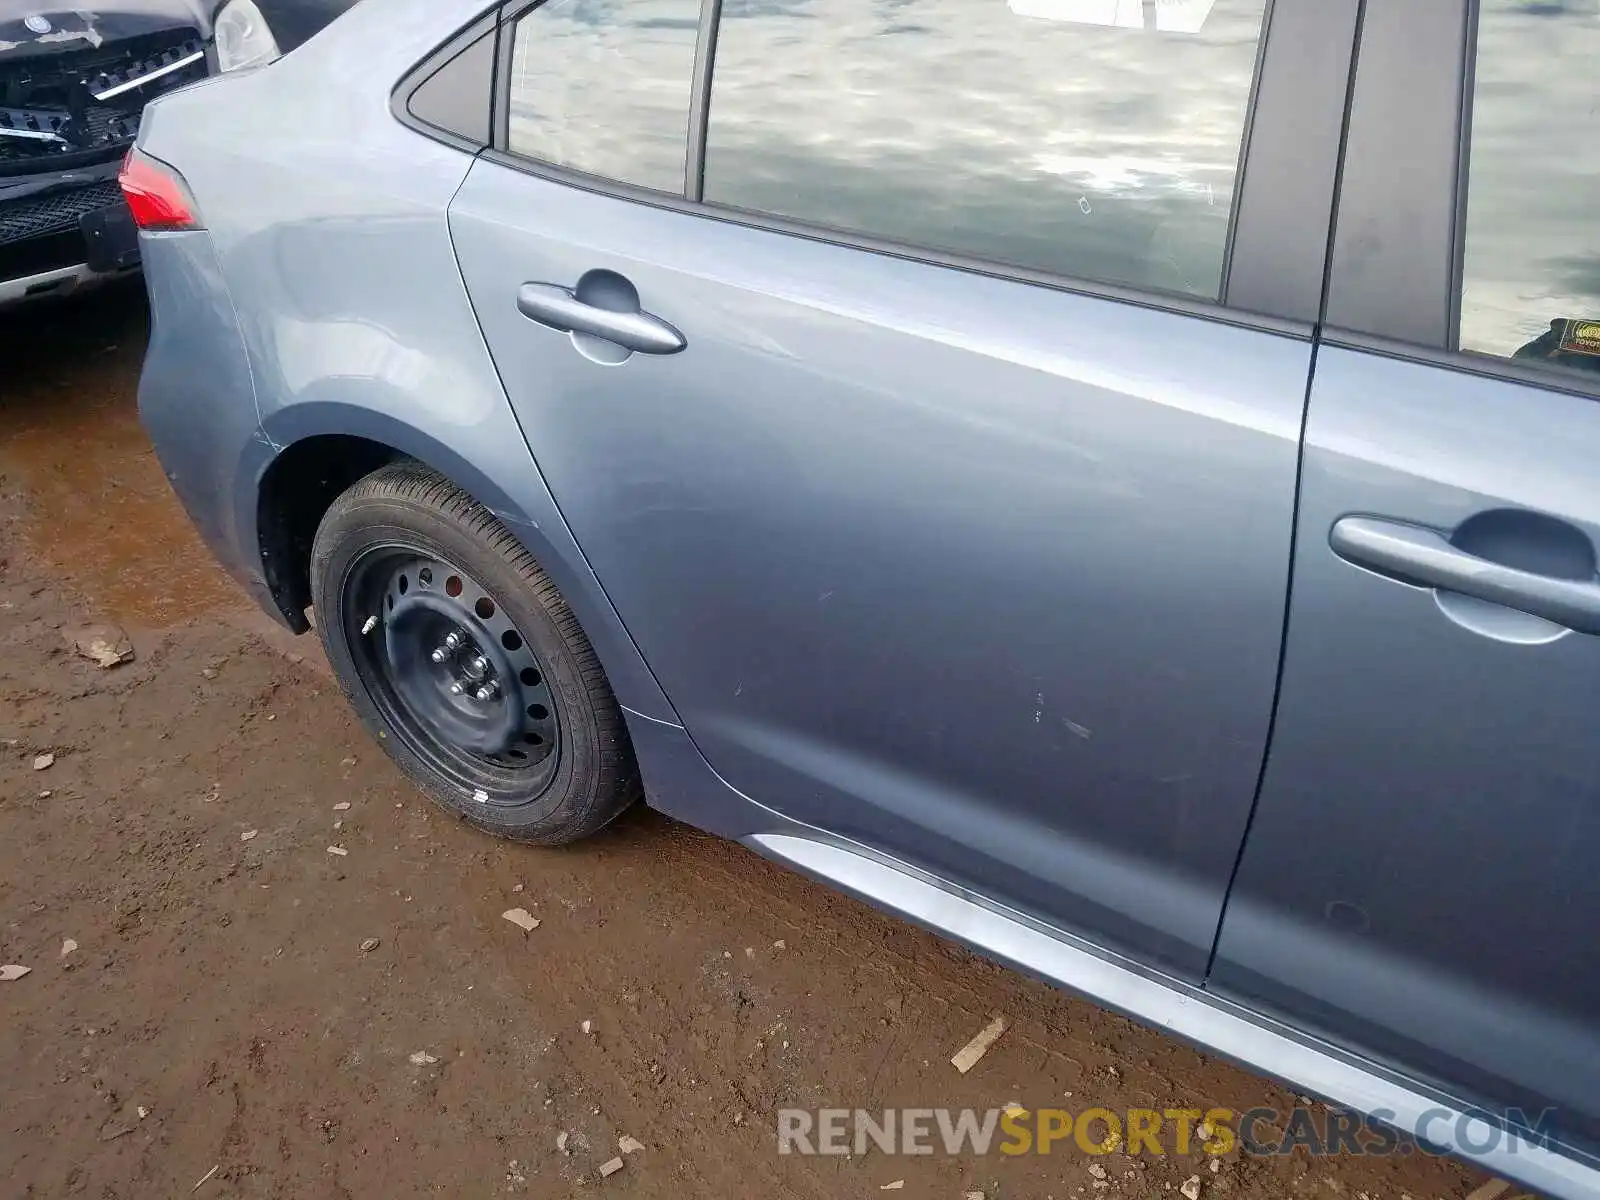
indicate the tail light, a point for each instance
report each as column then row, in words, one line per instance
column 156, row 194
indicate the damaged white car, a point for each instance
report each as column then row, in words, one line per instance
column 73, row 83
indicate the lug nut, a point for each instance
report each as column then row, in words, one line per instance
column 453, row 639
column 456, row 689
column 440, row 655
column 486, row 692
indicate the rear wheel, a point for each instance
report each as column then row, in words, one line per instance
column 463, row 659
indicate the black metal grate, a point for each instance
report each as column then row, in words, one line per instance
column 54, row 95
column 141, row 63
column 54, row 212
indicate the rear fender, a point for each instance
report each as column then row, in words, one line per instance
column 514, row 491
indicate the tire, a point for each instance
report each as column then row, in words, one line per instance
column 386, row 556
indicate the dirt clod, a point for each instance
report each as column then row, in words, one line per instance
column 610, row 1167
column 104, row 644
column 521, row 918
column 123, row 1122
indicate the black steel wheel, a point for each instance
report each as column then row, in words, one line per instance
column 451, row 671
column 465, row 660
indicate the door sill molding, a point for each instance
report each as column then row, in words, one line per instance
column 1213, row 1024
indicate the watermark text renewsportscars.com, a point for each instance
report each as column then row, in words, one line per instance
column 1215, row 1132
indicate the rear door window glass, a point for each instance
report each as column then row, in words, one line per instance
column 1531, row 269
column 1090, row 138
column 602, row 86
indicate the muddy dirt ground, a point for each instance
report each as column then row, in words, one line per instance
column 220, row 1019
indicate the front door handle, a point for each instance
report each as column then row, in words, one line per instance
column 1421, row 556
column 560, row 308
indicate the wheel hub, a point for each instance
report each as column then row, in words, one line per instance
column 454, row 668
column 452, row 673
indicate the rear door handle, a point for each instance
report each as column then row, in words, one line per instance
column 557, row 307
column 1415, row 555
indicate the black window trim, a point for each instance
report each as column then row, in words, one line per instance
column 705, row 57
column 1458, row 250
column 1277, row 255
column 1241, row 160
column 1395, row 243
column 1279, row 227
column 505, row 48
column 1390, row 293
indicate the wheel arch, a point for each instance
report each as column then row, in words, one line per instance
column 292, row 497
column 313, row 451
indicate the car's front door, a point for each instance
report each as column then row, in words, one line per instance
column 1422, row 879
column 930, row 547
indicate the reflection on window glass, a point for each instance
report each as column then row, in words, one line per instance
column 602, row 86
column 1531, row 278
column 1089, row 138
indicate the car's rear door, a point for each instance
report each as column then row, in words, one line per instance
column 924, row 386
column 1422, row 878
